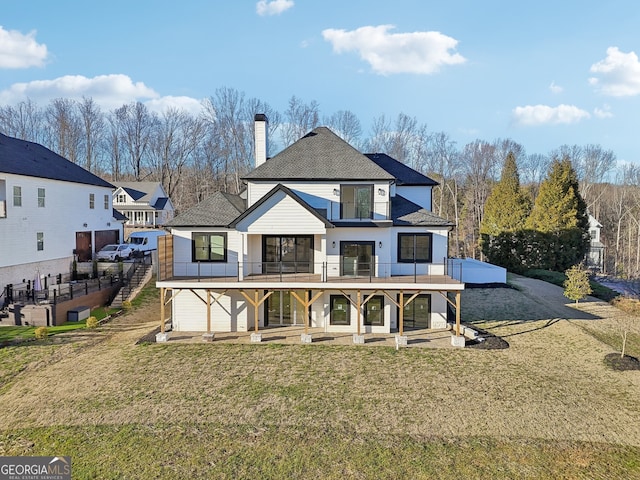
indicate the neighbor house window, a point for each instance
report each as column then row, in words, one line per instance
column 122, row 198
column 40, row 241
column 356, row 201
column 209, row 247
column 106, row 202
column 40, row 197
column 92, row 201
column 374, row 311
column 414, row 247
column 340, row 310
column 17, row 196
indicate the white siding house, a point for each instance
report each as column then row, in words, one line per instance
column 325, row 237
column 145, row 204
column 51, row 211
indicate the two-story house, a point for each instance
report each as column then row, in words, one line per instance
column 52, row 211
column 595, row 257
column 145, row 204
column 323, row 237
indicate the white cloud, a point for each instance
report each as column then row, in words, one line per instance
column 189, row 104
column 534, row 115
column 604, row 112
column 619, row 74
column 108, row 91
column 387, row 53
column 273, row 7
column 555, row 88
column 18, row 50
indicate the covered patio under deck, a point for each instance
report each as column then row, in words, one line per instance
column 257, row 289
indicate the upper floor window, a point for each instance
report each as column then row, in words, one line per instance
column 415, row 247
column 121, row 198
column 209, row 247
column 356, row 201
column 17, row 196
column 92, row 201
column 40, row 241
column 41, row 197
column 106, row 202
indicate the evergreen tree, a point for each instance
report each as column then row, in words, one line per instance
column 576, row 286
column 561, row 213
column 505, row 213
column 507, row 207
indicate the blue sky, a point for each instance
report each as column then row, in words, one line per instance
column 541, row 73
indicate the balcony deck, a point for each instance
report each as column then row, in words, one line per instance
column 418, row 282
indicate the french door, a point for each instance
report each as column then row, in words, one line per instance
column 293, row 254
column 357, row 259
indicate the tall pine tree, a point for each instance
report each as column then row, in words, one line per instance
column 505, row 213
column 560, row 213
column 507, row 206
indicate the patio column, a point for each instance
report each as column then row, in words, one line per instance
column 401, row 314
column 208, row 311
column 358, row 307
column 457, row 314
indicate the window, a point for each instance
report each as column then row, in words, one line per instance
column 40, row 241
column 374, row 311
column 340, row 310
column 292, row 254
column 92, row 201
column 121, row 198
column 209, row 247
column 414, row 247
column 41, row 197
column 418, row 313
column 17, row 196
column 356, row 201
column 106, row 202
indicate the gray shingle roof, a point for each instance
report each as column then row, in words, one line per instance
column 319, row 155
column 403, row 174
column 218, row 210
column 20, row 157
column 405, row 212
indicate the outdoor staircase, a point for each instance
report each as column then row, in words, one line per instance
column 136, row 279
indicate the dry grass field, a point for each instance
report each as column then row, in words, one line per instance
column 546, row 407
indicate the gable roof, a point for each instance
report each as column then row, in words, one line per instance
column 403, row 174
column 20, row 157
column 405, row 212
column 218, row 210
column 290, row 193
column 319, row 155
column 139, row 191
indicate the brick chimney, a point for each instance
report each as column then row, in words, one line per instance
column 261, row 142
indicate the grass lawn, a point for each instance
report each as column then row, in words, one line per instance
column 545, row 408
column 26, row 332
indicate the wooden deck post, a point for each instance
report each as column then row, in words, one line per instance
column 256, row 304
column 457, row 314
column 401, row 314
column 358, row 307
column 208, row 311
column 161, row 309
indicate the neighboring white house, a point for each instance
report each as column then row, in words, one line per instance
column 595, row 257
column 324, row 236
column 145, row 204
column 50, row 210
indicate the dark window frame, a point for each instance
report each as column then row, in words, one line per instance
column 365, row 312
column 332, row 299
column 355, row 208
column 40, row 241
column 412, row 305
column 427, row 259
column 209, row 235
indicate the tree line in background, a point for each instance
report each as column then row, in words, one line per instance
column 194, row 156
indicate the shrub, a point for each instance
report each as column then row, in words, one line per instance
column 41, row 333
column 126, row 305
column 92, row 322
column 576, row 286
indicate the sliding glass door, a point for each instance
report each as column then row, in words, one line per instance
column 357, row 259
column 293, row 254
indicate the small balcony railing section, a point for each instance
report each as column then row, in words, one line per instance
column 350, row 211
column 343, row 271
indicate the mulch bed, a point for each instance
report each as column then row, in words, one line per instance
column 616, row 362
column 487, row 341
